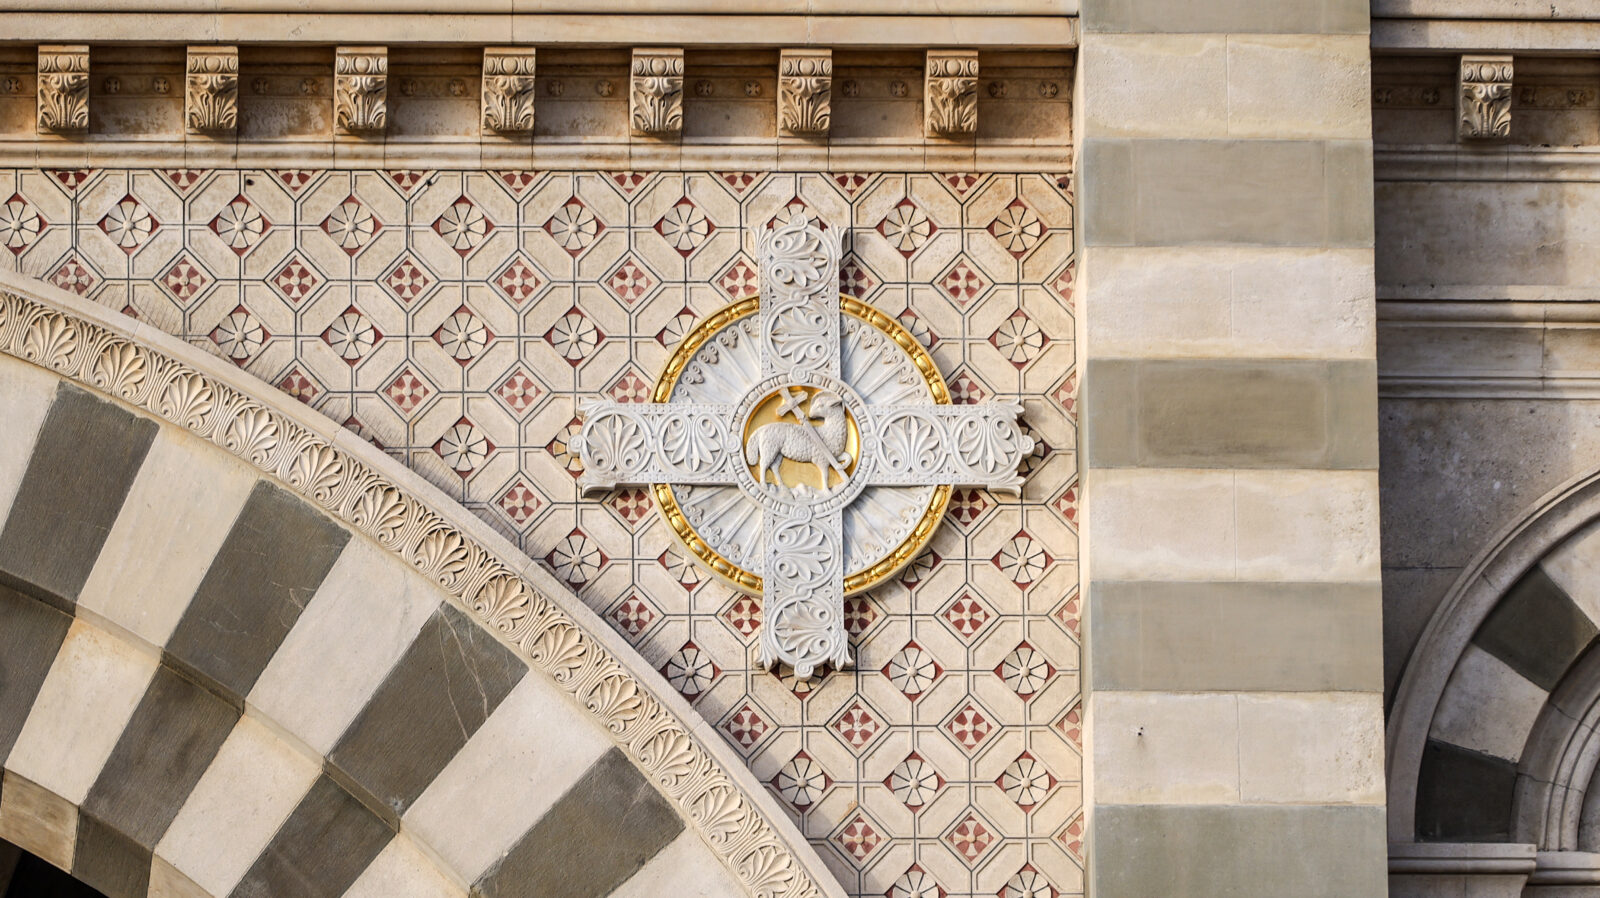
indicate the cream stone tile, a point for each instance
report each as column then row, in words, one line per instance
column 38, row 821
column 514, row 768
column 1575, row 566
column 251, row 787
column 153, row 560
column 1176, row 82
column 683, row 869
column 1159, row 301
column 1311, row 748
column 1165, row 748
column 400, row 869
column 1307, row 525
column 25, row 396
column 1312, row 303
column 1487, row 706
column 167, row 882
column 93, row 686
column 1161, row 524
column 1318, row 86
column 356, row 626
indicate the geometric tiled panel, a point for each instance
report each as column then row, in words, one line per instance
column 456, row 319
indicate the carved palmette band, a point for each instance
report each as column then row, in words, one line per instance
column 361, row 89
column 508, row 89
column 656, row 92
column 950, row 96
column 675, row 759
column 1483, row 97
column 63, row 88
column 805, row 92
column 211, row 95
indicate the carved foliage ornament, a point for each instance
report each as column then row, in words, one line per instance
column 675, row 759
column 1484, row 97
column 656, row 95
column 361, row 89
column 805, row 92
column 508, row 89
column 211, row 101
column 63, row 87
column 951, row 93
column 803, row 446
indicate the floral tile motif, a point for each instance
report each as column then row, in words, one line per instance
column 458, row 319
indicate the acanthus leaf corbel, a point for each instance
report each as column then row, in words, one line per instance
column 508, row 89
column 950, row 94
column 63, row 96
column 805, row 92
column 361, row 89
column 1483, row 98
column 656, row 92
column 211, row 94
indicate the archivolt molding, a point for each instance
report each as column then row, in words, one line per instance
column 325, row 464
column 1483, row 582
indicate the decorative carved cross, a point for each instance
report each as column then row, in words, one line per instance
column 912, row 445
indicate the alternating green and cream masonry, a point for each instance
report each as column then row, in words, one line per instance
column 1234, row 662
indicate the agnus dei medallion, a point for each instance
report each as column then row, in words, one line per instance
column 802, row 445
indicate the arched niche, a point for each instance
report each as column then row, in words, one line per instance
column 1494, row 735
column 243, row 653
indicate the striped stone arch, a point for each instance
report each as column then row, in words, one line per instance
column 1494, row 735
column 243, row 653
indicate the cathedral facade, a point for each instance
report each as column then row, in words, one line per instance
column 1114, row 448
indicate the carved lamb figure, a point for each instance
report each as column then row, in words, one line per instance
column 822, row 445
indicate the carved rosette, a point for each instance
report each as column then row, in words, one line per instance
column 805, row 92
column 1483, row 98
column 508, row 89
column 361, row 89
column 211, row 98
column 64, row 88
column 950, row 96
column 656, row 94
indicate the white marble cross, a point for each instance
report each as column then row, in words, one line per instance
column 912, row 445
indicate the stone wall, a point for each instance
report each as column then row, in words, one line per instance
column 456, row 317
column 1230, row 451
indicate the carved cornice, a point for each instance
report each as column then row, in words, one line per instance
column 63, row 88
column 508, row 89
column 361, row 89
column 94, row 350
column 950, row 95
column 1483, row 98
column 805, row 92
column 656, row 92
column 211, row 99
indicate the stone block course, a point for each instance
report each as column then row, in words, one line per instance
column 1247, row 414
column 1228, row 193
column 153, row 560
column 1250, row 852
column 1212, row 86
column 1244, row 16
column 86, row 457
column 1235, row 636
